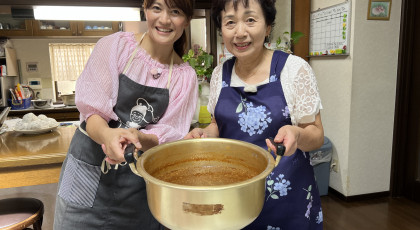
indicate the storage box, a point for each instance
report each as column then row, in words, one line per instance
column 321, row 161
column 19, row 104
column 322, row 176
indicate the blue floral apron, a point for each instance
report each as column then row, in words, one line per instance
column 292, row 199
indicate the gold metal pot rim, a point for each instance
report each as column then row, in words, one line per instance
column 149, row 178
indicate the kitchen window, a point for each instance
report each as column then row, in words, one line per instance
column 67, row 63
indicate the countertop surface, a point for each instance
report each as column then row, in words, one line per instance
column 47, row 109
column 66, row 113
column 18, row 149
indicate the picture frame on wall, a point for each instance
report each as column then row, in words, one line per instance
column 379, row 9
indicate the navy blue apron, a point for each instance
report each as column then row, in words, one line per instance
column 292, row 199
column 115, row 199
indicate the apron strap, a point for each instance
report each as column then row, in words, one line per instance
column 170, row 69
column 280, row 58
column 105, row 166
column 227, row 70
column 127, row 66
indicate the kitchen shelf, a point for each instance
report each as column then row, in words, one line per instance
column 68, row 113
column 54, row 28
column 23, row 27
column 93, row 28
column 14, row 27
column 73, row 28
column 10, row 61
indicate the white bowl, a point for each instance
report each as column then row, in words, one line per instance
column 68, row 99
column 41, row 103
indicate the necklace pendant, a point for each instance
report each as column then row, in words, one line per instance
column 156, row 72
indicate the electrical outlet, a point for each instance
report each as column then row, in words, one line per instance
column 334, row 165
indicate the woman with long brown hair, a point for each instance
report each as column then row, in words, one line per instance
column 134, row 89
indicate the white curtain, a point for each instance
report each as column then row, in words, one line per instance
column 68, row 60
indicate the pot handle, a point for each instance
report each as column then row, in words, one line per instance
column 280, row 149
column 131, row 155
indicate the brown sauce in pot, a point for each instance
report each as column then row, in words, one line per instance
column 204, row 171
column 206, row 176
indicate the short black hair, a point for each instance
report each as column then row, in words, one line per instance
column 268, row 7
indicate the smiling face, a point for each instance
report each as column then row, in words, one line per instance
column 244, row 29
column 165, row 24
column 138, row 113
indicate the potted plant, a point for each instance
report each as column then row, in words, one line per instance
column 287, row 40
column 202, row 63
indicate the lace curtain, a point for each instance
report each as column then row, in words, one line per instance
column 68, row 60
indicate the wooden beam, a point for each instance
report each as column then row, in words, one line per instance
column 199, row 4
column 301, row 10
column 119, row 3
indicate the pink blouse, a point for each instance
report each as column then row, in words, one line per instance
column 97, row 86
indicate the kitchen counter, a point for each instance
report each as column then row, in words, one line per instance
column 66, row 113
column 33, row 159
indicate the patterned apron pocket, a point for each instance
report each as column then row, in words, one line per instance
column 80, row 182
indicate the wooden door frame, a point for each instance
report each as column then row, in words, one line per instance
column 401, row 153
column 301, row 13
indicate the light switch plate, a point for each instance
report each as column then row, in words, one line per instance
column 32, row 67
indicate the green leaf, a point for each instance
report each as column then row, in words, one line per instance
column 308, row 196
column 202, row 63
column 238, row 110
column 269, row 182
column 269, row 189
column 295, row 36
column 278, row 42
column 193, row 62
column 310, row 188
column 274, row 196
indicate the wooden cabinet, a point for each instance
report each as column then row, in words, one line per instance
column 91, row 28
column 10, row 78
column 73, row 28
column 14, row 27
column 10, row 61
column 54, row 28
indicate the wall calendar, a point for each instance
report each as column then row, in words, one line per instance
column 330, row 30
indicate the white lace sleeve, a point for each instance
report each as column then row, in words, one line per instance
column 215, row 87
column 300, row 90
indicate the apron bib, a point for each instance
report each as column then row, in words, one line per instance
column 292, row 199
column 116, row 199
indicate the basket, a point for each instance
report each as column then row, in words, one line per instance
column 19, row 104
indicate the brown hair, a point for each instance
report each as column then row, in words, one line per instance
column 187, row 7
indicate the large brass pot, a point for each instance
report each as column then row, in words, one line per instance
column 207, row 183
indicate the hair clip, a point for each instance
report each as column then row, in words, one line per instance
column 156, row 72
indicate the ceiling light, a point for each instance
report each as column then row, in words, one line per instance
column 86, row 13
